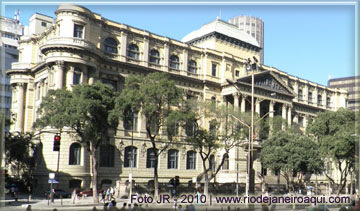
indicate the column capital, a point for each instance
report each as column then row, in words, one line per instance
column 236, row 94
column 272, row 102
column 60, row 63
column 21, row 84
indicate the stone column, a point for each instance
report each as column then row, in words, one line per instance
column 243, row 103
column 257, row 106
column 20, row 105
column 70, row 78
column 91, row 75
column 289, row 116
column 296, row 118
column 271, row 114
column 60, row 74
column 271, row 108
column 283, row 112
column 306, row 117
column 236, row 101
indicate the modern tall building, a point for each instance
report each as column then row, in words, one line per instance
column 10, row 32
column 352, row 85
column 252, row 26
column 82, row 47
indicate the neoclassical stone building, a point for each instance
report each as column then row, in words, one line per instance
column 83, row 47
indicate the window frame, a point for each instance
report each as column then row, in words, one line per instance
column 110, row 47
column 174, row 62
column 75, row 156
column 191, row 160
column 77, row 76
column 133, row 53
column 76, row 31
column 129, row 153
column 214, row 69
column 192, row 67
column 173, row 159
column 156, row 57
column 150, row 158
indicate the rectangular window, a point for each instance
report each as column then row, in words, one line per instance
column 237, row 73
column 310, row 97
column 76, row 78
column 43, row 24
column 214, row 69
column 78, row 31
column 319, row 100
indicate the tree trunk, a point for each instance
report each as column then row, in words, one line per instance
column 156, row 177
column 94, row 171
column 206, row 178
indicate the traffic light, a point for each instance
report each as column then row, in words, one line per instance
column 57, row 139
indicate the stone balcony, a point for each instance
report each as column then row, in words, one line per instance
column 67, row 42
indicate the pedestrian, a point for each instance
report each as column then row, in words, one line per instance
column 180, row 208
column 102, row 196
column 52, row 195
column 74, row 196
column 129, row 207
column 123, row 208
column 191, row 207
column 112, row 193
column 112, row 205
column 108, row 194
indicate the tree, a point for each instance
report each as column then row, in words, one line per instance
column 88, row 111
column 334, row 132
column 157, row 98
column 224, row 132
column 291, row 154
column 20, row 157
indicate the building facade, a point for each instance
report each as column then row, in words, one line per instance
column 83, row 47
column 352, row 85
column 253, row 26
column 10, row 32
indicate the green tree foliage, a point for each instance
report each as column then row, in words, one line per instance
column 335, row 132
column 157, row 98
column 20, row 157
column 223, row 132
column 88, row 111
column 291, row 153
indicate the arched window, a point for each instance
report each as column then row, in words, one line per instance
column 76, row 75
column 192, row 67
column 191, row 160
column 174, row 62
column 110, row 45
column 75, row 154
column 150, row 158
column 173, row 159
column 154, row 56
column 107, row 155
column 130, row 156
column 212, row 163
column 133, row 51
column 226, row 163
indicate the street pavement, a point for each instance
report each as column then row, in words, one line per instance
column 87, row 204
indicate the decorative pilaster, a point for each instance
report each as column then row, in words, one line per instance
column 236, row 101
column 243, row 103
column 146, row 51
column 166, row 57
column 20, row 106
column 257, row 105
column 123, row 46
column 59, row 80
column 289, row 116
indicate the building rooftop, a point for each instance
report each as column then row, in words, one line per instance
column 221, row 27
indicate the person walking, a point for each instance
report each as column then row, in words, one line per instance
column 52, row 195
column 74, row 196
column 108, row 194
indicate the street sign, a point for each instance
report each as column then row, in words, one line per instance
column 53, row 181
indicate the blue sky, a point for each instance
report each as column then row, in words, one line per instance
column 313, row 42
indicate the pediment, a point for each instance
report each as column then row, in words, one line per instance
column 269, row 81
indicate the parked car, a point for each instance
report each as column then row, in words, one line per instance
column 88, row 192
column 59, row 193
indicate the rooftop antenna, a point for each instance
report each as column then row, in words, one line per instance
column 17, row 16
